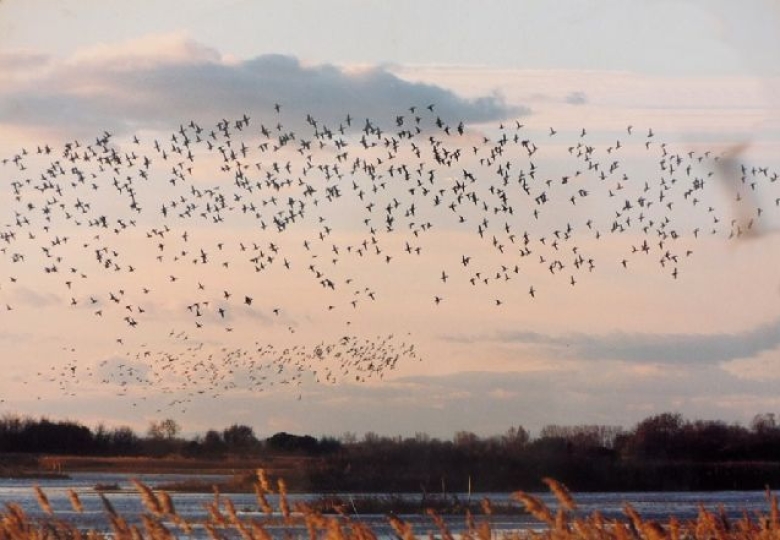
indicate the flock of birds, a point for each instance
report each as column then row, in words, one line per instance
column 224, row 222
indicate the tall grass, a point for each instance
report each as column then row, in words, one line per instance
column 159, row 521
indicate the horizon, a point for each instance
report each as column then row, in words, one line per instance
column 767, row 419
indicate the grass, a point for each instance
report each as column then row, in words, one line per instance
column 169, row 464
column 27, row 466
column 160, row 521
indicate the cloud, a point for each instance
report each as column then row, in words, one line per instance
column 710, row 349
column 31, row 297
column 15, row 66
column 607, row 392
column 160, row 82
column 576, row 98
column 762, row 367
column 150, row 52
column 440, row 405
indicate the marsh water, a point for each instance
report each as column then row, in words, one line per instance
column 191, row 506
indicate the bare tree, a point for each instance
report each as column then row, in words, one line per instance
column 164, row 429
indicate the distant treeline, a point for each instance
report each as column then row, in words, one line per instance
column 44, row 436
column 662, row 452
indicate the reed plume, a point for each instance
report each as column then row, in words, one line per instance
column 774, row 511
column 635, row 520
column 487, row 507
column 75, row 502
column 262, row 502
column 284, row 506
column 118, row 523
column 261, row 488
column 150, row 500
column 561, row 493
column 43, row 500
column 361, row 531
column 259, row 532
column 155, row 529
column 484, row 531
column 263, row 479
column 215, row 515
column 15, row 522
column 674, row 529
column 402, row 528
column 439, row 522
column 166, row 503
column 708, row 525
column 535, row 506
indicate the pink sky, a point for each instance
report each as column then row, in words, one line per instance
column 620, row 344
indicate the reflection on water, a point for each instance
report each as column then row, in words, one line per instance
column 191, row 506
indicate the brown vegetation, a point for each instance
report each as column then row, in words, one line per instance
column 160, row 521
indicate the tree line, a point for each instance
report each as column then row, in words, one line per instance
column 162, row 438
column 664, row 452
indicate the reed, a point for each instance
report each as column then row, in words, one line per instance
column 150, row 500
column 561, row 493
column 535, row 506
column 160, row 521
column 284, row 506
column 75, row 502
column 43, row 500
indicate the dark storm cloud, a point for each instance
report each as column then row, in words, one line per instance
column 136, row 90
column 673, row 348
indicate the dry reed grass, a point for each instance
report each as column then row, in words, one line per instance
column 75, row 502
column 161, row 522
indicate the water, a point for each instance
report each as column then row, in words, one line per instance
column 651, row 505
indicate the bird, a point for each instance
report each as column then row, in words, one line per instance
column 123, row 227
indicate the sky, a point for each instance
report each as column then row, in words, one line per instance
column 329, row 217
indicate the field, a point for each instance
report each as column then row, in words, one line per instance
column 31, row 465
